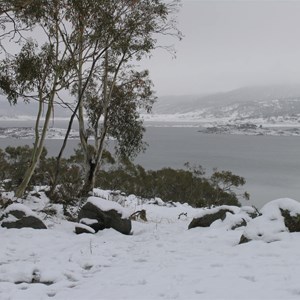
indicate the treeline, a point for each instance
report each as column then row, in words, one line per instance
column 190, row 185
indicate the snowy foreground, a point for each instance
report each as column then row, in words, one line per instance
column 162, row 259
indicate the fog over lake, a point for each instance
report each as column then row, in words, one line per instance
column 270, row 164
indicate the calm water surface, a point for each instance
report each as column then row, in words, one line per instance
column 270, row 165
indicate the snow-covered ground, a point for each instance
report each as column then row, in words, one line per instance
column 162, row 259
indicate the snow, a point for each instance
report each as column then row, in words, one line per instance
column 83, row 226
column 203, row 212
column 106, row 205
column 272, row 208
column 270, row 227
column 20, row 207
column 88, row 221
column 160, row 260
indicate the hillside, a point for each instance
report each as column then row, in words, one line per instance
column 161, row 259
column 264, row 110
column 243, row 96
column 274, row 110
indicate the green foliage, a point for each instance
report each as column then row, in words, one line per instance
column 124, row 121
column 68, row 191
column 4, row 166
column 183, row 185
column 14, row 163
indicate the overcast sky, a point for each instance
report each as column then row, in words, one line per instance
column 230, row 44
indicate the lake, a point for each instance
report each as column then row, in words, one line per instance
column 270, row 164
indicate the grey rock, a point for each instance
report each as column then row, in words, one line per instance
column 292, row 223
column 244, row 239
column 86, row 229
column 26, row 221
column 106, row 219
column 207, row 219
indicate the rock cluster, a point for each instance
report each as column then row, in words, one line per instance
column 20, row 216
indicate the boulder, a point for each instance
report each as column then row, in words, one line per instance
column 244, row 240
column 292, row 222
column 19, row 216
column 27, row 221
column 108, row 214
column 276, row 219
column 206, row 219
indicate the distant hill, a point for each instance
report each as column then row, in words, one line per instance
column 243, row 103
column 252, row 100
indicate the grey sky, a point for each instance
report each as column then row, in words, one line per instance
column 230, row 44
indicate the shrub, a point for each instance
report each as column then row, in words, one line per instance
column 183, row 185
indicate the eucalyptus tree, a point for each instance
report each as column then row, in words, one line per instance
column 38, row 73
column 89, row 49
column 9, row 6
column 109, row 36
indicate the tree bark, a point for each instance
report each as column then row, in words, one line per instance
column 37, row 151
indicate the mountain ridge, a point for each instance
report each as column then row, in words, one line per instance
column 264, row 96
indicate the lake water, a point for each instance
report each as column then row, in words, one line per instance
column 270, row 164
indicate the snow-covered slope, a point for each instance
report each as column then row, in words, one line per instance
column 243, row 96
column 160, row 260
column 265, row 107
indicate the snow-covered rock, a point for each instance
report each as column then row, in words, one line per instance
column 277, row 218
column 108, row 214
column 19, row 216
column 229, row 217
column 205, row 219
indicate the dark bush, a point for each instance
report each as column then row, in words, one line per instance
column 181, row 185
column 184, row 185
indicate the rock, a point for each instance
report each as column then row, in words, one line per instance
column 27, row 221
column 139, row 215
column 244, row 240
column 211, row 216
column 19, row 216
column 276, row 219
column 106, row 216
column 292, row 223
